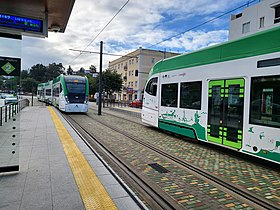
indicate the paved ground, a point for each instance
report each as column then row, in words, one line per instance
column 45, row 179
column 255, row 178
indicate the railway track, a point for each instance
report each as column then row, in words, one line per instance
column 161, row 200
column 149, row 192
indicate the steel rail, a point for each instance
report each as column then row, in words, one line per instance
column 155, row 199
column 256, row 199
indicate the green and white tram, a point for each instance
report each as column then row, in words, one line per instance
column 228, row 95
column 68, row 93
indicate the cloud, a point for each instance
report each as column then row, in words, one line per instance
column 140, row 23
column 191, row 41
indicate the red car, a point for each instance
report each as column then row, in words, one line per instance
column 136, row 103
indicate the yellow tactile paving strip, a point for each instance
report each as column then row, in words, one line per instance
column 91, row 190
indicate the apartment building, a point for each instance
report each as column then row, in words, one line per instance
column 134, row 68
column 260, row 16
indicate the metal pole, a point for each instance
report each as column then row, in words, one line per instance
column 32, row 96
column 100, row 80
column 139, row 73
column 6, row 113
column 1, row 116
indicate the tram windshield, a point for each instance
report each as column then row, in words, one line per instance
column 77, row 88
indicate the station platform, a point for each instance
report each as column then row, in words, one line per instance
column 49, row 177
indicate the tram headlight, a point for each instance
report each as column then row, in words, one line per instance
column 86, row 99
column 66, row 100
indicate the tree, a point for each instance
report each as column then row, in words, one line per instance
column 53, row 71
column 81, row 71
column 93, row 85
column 112, row 81
column 69, row 70
column 92, row 69
column 24, row 74
column 37, row 72
column 27, row 84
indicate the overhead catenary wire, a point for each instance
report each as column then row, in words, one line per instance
column 102, row 30
column 208, row 21
column 201, row 24
column 95, row 52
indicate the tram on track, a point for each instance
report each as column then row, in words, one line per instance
column 69, row 93
column 228, row 95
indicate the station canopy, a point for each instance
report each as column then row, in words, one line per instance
column 53, row 14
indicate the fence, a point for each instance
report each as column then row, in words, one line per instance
column 10, row 110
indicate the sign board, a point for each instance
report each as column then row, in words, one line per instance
column 10, row 66
column 22, row 25
column 130, row 90
column 26, row 24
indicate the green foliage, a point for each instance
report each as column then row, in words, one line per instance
column 92, row 69
column 112, row 81
column 28, row 84
column 69, row 71
column 38, row 74
column 42, row 73
column 81, row 71
column 93, row 85
column 24, row 74
column 54, row 70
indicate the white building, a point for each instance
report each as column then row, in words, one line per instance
column 260, row 16
column 134, row 68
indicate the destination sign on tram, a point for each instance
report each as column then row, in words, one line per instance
column 23, row 23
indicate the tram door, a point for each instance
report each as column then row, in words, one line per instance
column 225, row 112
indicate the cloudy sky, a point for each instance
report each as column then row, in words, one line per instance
column 141, row 23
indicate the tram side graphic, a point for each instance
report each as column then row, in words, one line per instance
column 228, row 95
column 68, row 93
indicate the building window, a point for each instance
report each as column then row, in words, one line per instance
column 153, row 60
column 135, row 83
column 262, row 22
column 131, row 84
column 265, row 101
column 191, row 95
column 136, row 73
column 132, row 61
column 129, row 62
column 238, row 15
column 277, row 14
column 137, row 60
column 169, row 95
column 246, row 28
column 129, row 73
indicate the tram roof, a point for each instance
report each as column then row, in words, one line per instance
column 58, row 10
column 260, row 43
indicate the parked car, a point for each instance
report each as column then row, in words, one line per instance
column 136, row 103
column 9, row 98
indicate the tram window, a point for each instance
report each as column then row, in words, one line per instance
column 56, row 92
column 191, row 95
column 48, row 92
column 151, row 87
column 268, row 63
column 265, row 101
column 169, row 95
